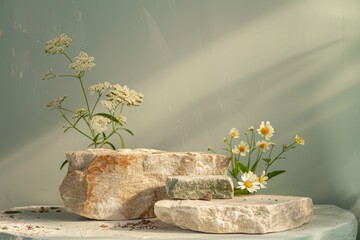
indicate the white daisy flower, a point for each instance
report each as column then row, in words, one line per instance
column 266, row 130
column 249, row 182
column 243, row 148
column 262, row 145
column 262, row 180
column 234, row 133
column 235, row 150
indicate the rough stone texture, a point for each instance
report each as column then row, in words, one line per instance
column 200, row 187
column 125, row 184
column 250, row 214
column 32, row 223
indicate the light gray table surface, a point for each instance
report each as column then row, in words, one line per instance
column 329, row 223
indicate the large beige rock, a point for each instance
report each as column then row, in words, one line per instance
column 125, row 184
column 248, row 214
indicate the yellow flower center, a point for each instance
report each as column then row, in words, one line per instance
column 262, row 145
column 265, row 131
column 233, row 134
column 299, row 140
column 242, row 148
column 261, row 179
column 248, row 184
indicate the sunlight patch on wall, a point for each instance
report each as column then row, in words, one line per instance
column 256, row 55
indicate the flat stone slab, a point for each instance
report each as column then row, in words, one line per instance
column 124, row 184
column 200, row 187
column 328, row 223
column 246, row 214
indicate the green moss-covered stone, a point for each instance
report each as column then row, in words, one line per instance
column 200, row 187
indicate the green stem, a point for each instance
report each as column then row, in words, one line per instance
column 61, row 75
column 65, row 75
column 67, row 56
column 232, row 155
column 253, row 169
column 72, row 125
column 279, row 155
column 272, row 147
column 211, row 150
column 251, row 148
column 97, row 100
column 85, row 96
column 68, row 110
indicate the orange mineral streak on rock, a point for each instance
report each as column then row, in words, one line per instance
column 104, row 164
column 126, row 183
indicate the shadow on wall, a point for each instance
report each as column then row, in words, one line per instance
column 269, row 86
column 78, row 12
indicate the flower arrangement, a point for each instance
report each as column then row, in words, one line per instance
column 246, row 156
column 97, row 127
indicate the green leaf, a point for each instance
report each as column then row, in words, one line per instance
column 234, row 172
column 127, row 130
column 253, row 169
column 92, row 144
column 239, row 191
column 274, row 173
column 267, row 160
column 63, row 164
column 108, row 116
column 66, row 129
column 111, row 145
column 242, row 167
column 95, row 139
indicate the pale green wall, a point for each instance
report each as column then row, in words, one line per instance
column 204, row 66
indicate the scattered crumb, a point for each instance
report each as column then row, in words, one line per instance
column 4, row 228
column 29, row 227
column 104, row 226
column 143, row 224
column 11, row 212
column 57, row 229
column 43, row 210
column 58, row 210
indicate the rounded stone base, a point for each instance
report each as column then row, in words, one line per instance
column 244, row 214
